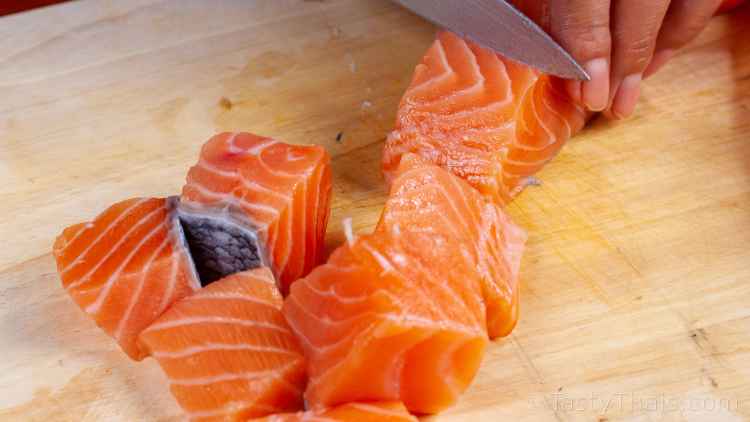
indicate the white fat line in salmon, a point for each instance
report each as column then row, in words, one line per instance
column 213, row 347
column 101, row 235
column 214, row 320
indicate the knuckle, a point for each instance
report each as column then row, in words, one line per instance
column 584, row 31
column 591, row 40
column 634, row 54
column 640, row 46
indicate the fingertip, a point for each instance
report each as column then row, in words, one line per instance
column 627, row 96
column 595, row 92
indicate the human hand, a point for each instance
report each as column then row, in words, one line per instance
column 621, row 42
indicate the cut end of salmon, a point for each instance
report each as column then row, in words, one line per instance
column 249, row 202
column 487, row 119
column 281, row 191
column 228, row 351
column 126, row 267
column 389, row 318
column 404, row 313
column 427, row 200
column 351, row 412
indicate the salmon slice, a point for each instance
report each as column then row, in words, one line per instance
column 127, row 266
column 404, row 313
column 280, row 191
column 350, row 412
column 228, row 352
column 378, row 324
column 487, row 119
column 249, row 202
column 429, row 201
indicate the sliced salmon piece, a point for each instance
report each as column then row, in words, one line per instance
column 282, row 191
column 127, row 266
column 378, row 324
column 403, row 313
column 487, row 119
column 350, row 412
column 228, row 352
column 426, row 200
column 249, row 202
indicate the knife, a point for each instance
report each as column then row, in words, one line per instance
column 497, row 25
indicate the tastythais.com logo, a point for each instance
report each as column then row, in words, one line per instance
column 633, row 402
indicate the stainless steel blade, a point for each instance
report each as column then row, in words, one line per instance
column 497, row 25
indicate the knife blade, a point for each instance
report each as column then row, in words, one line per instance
column 497, row 25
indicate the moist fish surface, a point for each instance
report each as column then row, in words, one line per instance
column 249, row 202
column 228, row 352
column 402, row 313
column 278, row 191
column 489, row 120
column 127, row 266
column 428, row 200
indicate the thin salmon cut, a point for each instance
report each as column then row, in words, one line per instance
column 378, row 324
column 487, row 119
column 227, row 351
column 429, row 200
column 280, row 191
column 351, row 412
column 249, row 202
column 127, row 266
column 402, row 314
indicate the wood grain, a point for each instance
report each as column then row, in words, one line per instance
column 635, row 284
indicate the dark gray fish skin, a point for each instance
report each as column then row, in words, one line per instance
column 219, row 243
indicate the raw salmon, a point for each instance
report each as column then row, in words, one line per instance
column 249, row 202
column 351, row 412
column 127, row 266
column 429, row 200
column 487, row 119
column 281, row 191
column 400, row 314
column 228, row 352
column 378, row 325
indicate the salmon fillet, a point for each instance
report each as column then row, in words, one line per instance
column 126, row 267
column 402, row 313
column 227, row 351
column 375, row 326
column 426, row 200
column 487, row 119
column 249, row 202
column 279, row 190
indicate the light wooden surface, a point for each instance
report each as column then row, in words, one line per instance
column 636, row 282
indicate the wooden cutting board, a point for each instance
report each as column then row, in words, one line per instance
column 636, row 281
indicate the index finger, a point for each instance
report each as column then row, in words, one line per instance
column 582, row 27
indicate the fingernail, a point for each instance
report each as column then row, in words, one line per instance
column 658, row 61
column 627, row 96
column 574, row 90
column 595, row 92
